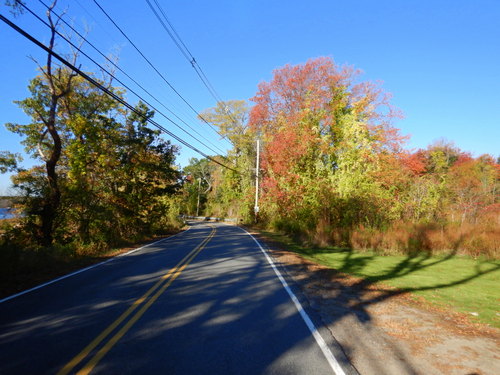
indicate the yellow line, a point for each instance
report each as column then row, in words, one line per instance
column 174, row 271
column 112, row 341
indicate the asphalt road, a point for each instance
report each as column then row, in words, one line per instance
column 206, row 301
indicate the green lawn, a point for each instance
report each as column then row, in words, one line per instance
column 464, row 284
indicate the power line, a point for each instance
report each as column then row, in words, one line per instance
column 188, row 55
column 118, row 80
column 107, row 91
column 121, row 70
column 78, row 2
column 182, row 47
column 173, row 29
column 184, row 51
column 155, row 69
column 106, row 30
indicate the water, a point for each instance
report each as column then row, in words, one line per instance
column 6, row 213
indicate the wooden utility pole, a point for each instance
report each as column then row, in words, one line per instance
column 198, row 204
column 256, row 208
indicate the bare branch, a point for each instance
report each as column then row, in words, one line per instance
column 40, row 67
column 39, row 146
column 51, row 47
column 59, row 18
column 209, row 186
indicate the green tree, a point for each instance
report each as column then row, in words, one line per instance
column 105, row 174
column 147, row 173
column 9, row 161
column 231, row 192
column 44, row 134
column 44, row 137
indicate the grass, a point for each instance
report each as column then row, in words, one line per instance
column 461, row 283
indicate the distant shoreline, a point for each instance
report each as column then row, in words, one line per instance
column 7, row 202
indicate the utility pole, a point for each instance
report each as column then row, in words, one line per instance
column 198, row 204
column 256, row 208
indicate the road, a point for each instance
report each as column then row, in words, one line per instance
column 206, row 301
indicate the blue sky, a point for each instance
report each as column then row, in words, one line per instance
column 439, row 59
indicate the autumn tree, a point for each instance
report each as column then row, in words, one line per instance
column 472, row 186
column 325, row 135
column 197, row 183
column 105, row 176
column 43, row 136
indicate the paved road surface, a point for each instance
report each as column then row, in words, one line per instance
column 206, row 301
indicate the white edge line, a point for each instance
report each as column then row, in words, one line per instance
column 332, row 361
column 86, row 269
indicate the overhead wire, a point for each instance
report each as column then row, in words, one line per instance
column 108, row 32
column 181, row 46
column 107, row 91
column 122, row 71
column 118, row 80
column 156, row 70
column 104, row 29
column 188, row 55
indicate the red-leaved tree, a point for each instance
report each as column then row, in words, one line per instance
column 324, row 136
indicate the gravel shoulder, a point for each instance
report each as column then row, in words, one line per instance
column 385, row 332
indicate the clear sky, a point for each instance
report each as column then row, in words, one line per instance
column 440, row 59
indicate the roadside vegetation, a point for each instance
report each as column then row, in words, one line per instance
column 25, row 267
column 334, row 170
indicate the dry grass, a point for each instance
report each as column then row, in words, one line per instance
column 467, row 239
column 481, row 239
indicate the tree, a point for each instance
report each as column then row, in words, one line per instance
column 146, row 171
column 198, row 183
column 116, row 176
column 325, row 138
column 231, row 192
column 9, row 161
column 105, row 177
column 45, row 132
column 231, row 118
column 473, row 186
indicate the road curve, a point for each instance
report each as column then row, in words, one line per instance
column 206, row 301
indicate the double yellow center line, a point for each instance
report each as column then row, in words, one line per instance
column 144, row 302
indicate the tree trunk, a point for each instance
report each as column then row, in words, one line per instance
column 53, row 199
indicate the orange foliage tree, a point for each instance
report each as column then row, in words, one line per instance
column 326, row 140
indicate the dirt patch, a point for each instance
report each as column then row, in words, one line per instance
column 384, row 331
